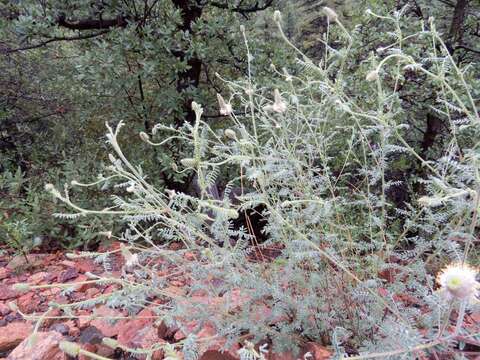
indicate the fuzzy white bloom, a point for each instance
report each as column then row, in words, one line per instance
column 144, row 136
column 188, row 162
column 279, row 105
column 458, row 281
column 427, row 201
column 372, row 75
column 277, row 16
column 108, row 234
column 69, row 348
column 248, row 352
column 225, row 108
column 197, row 108
column 330, row 13
column 132, row 261
column 229, row 133
column 52, row 190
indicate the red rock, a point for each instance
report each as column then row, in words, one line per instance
column 4, row 273
column 45, row 345
column 217, row 355
column 103, row 324
column 6, row 292
column 4, row 309
column 280, row 356
column 110, row 288
column 87, row 347
column 177, row 283
column 131, row 331
column 53, row 313
column 68, row 263
column 81, row 287
column 142, row 338
column 106, row 351
column 173, row 291
column 190, row 256
column 92, row 292
column 32, row 260
column 38, row 278
column 28, row 303
column 50, row 292
column 84, row 318
column 67, row 275
column 13, row 334
column 85, row 265
column 318, row 352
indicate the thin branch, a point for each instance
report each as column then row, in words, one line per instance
column 56, row 39
column 467, row 49
column 92, row 24
column 243, row 10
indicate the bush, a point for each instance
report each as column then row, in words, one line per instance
column 315, row 153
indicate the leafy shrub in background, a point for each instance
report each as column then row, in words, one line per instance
column 313, row 153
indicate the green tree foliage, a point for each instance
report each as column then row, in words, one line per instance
column 70, row 66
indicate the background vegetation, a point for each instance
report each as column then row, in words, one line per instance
column 379, row 99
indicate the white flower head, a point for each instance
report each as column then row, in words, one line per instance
column 229, row 133
column 330, row 13
column 144, row 136
column 458, row 281
column 277, row 16
column 427, row 201
column 132, row 261
column 372, row 75
column 279, row 105
column 225, row 108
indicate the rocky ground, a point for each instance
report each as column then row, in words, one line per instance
column 84, row 328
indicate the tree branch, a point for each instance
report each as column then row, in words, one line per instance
column 92, row 24
column 55, row 39
column 243, row 10
column 466, row 48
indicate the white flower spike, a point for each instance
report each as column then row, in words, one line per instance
column 458, row 281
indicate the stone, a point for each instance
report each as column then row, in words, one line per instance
column 38, row 278
column 85, row 265
column 318, row 352
column 84, row 318
column 4, row 273
column 13, row 334
column 45, row 345
column 4, row 309
column 131, row 332
column 69, row 274
column 68, row 263
column 28, row 303
column 32, row 260
column 6, row 292
column 106, row 351
column 61, row 328
column 217, row 355
column 87, row 347
column 92, row 292
column 90, row 335
column 81, row 287
column 103, row 323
